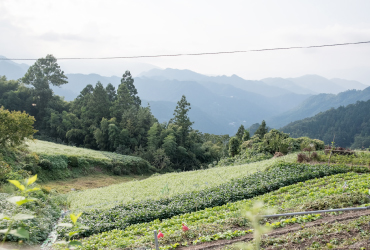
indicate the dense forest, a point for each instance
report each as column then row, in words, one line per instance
column 350, row 125
column 108, row 119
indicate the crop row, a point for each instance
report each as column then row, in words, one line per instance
column 259, row 183
column 341, row 190
column 164, row 185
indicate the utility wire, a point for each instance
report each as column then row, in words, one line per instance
column 192, row 54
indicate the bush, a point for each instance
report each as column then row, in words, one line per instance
column 45, row 164
column 301, row 157
column 73, row 161
column 4, row 170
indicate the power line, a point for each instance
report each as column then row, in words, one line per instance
column 192, row 54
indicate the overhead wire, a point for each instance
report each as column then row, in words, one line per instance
column 193, row 54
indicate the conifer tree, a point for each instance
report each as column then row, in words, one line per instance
column 182, row 119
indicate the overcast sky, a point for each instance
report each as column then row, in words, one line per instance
column 66, row 28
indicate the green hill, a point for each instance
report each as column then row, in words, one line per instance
column 318, row 103
column 350, row 125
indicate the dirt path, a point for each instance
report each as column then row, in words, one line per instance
column 327, row 219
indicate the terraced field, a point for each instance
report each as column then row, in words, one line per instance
column 165, row 185
column 298, row 187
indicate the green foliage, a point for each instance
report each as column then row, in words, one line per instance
column 178, row 183
column 15, row 127
column 76, row 228
column 248, row 156
column 220, row 222
column 254, row 216
column 240, row 133
column 233, row 146
column 247, row 187
column 359, row 158
column 182, row 120
column 25, row 216
column 361, row 142
column 55, row 162
column 41, row 75
column 337, row 201
column 262, row 130
column 276, row 141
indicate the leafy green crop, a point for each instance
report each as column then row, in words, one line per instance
column 122, row 216
column 216, row 223
column 176, row 183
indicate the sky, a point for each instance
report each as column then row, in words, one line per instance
column 94, row 28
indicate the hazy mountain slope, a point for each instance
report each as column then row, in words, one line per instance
column 258, row 87
column 163, row 111
column 228, row 110
column 77, row 82
column 12, row 70
column 288, row 85
column 319, row 103
column 348, row 84
column 346, row 123
column 318, row 84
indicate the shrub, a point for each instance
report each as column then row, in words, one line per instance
column 4, row 170
column 301, row 157
column 73, row 161
column 314, row 156
column 45, row 164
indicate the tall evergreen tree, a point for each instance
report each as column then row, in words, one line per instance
column 262, row 130
column 129, row 82
column 98, row 104
column 111, row 91
column 240, row 132
column 182, row 119
column 126, row 97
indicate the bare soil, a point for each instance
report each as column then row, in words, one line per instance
column 90, row 181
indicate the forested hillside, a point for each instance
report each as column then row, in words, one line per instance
column 108, row 119
column 319, row 103
column 350, row 125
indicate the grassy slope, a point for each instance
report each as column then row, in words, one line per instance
column 165, row 185
column 43, row 147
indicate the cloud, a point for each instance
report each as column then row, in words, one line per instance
column 57, row 37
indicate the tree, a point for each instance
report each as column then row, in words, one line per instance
column 262, row 130
column 246, row 136
column 154, row 136
column 233, row 146
column 182, row 119
column 128, row 81
column 240, row 133
column 41, row 75
column 99, row 104
column 15, row 127
column 111, row 91
column 126, row 97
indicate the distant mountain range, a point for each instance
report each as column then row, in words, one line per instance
column 220, row 104
column 11, row 69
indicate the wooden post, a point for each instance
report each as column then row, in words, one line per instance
column 156, row 240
